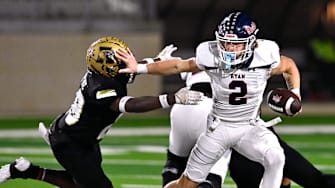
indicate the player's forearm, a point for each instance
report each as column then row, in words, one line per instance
column 163, row 67
column 290, row 72
column 149, row 60
column 292, row 77
column 148, row 103
column 173, row 66
column 167, row 67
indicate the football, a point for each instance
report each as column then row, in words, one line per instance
column 283, row 101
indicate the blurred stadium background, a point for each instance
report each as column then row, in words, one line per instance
column 43, row 43
column 43, row 46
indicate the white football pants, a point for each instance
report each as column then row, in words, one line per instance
column 253, row 141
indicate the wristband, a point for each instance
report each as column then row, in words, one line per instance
column 122, row 103
column 163, row 101
column 142, row 68
column 296, row 91
column 149, row 60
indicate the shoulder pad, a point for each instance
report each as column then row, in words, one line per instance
column 206, row 54
column 266, row 54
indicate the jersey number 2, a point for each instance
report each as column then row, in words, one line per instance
column 238, row 98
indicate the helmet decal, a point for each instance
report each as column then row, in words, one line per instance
column 250, row 29
column 100, row 58
column 236, row 38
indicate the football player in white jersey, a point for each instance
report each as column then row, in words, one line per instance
column 185, row 130
column 239, row 66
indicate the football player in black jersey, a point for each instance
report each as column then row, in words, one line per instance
column 101, row 99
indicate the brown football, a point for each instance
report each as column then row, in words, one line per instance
column 283, row 101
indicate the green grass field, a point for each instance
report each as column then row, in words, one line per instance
column 137, row 161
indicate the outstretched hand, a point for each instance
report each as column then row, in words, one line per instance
column 128, row 58
column 166, row 53
column 188, row 97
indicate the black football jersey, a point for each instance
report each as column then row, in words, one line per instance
column 90, row 115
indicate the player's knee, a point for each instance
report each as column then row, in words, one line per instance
column 173, row 168
column 170, row 184
column 205, row 184
column 215, row 180
column 169, row 174
column 275, row 158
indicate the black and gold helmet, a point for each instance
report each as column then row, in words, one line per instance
column 100, row 58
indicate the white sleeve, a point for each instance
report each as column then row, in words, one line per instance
column 275, row 53
column 266, row 54
column 204, row 56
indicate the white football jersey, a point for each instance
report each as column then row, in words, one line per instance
column 238, row 94
column 194, row 77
